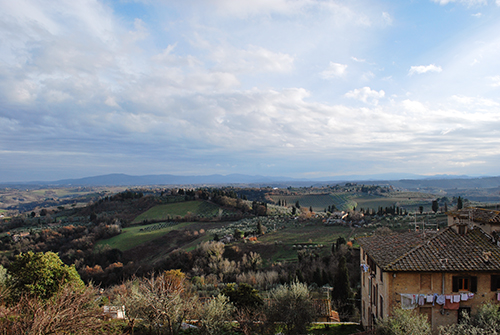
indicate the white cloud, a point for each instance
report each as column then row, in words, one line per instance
column 474, row 101
column 424, row 69
column 478, row 15
column 360, row 60
column 253, row 59
column 367, row 76
column 468, row 3
column 387, row 18
column 366, row 94
column 334, row 70
column 251, row 7
column 495, row 81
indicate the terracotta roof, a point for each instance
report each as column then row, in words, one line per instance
column 444, row 251
column 480, row 215
column 384, row 249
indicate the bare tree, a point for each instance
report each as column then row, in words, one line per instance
column 163, row 301
column 73, row 310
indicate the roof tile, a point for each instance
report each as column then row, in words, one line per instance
column 443, row 251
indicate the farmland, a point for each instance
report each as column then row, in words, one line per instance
column 172, row 210
column 347, row 201
column 319, row 202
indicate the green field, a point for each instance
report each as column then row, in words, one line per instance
column 407, row 200
column 342, row 201
column 306, row 234
column 163, row 212
column 133, row 236
column 319, row 202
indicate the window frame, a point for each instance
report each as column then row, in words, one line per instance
column 464, row 283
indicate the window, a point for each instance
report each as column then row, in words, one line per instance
column 464, row 283
column 381, row 314
column 495, row 282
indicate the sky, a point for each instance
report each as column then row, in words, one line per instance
column 293, row 88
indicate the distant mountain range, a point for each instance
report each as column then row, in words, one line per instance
column 406, row 181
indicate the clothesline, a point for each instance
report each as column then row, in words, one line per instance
column 450, row 301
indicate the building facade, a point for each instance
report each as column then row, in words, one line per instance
column 437, row 274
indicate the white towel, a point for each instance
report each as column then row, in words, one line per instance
column 464, row 296
column 456, row 298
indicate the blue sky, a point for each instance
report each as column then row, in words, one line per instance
column 297, row 88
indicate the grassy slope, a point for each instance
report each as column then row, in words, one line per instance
column 274, row 246
column 346, row 201
column 318, row 201
column 161, row 212
column 132, row 236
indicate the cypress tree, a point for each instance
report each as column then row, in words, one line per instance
column 342, row 294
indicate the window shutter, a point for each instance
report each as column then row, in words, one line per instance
column 455, row 284
column 473, row 284
column 494, row 282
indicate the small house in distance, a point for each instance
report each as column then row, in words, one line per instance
column 439, row 274
column 487, row 219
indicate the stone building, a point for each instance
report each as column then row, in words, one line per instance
column 436, row 274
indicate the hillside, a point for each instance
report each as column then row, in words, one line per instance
column 140, row 230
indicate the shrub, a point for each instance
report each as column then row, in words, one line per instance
column 404, row 322
column 291, row 308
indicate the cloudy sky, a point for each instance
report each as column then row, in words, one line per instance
column 297, row 88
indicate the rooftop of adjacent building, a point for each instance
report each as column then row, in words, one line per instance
column 480, row 215
column 447, row 250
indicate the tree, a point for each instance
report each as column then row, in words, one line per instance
column 340, row 241
column 215, row 314
column 342, row 295
column 72, row 310
column 164, row 302
column 261, row 230
column 40, row 275
column 244, row 296
column 404, row 322
column 421, row 209
column 435, row 206
column 291, row 308
column 460, row 203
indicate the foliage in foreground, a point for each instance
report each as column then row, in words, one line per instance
column 72, row 310
column 485, row 322
column 291, row 308
column 40, row 275
column 404, row 322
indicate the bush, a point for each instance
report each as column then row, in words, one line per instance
column 40, row 275
column 215, row 315
column 291, row 308
column 404, row 322
column 486, row 321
